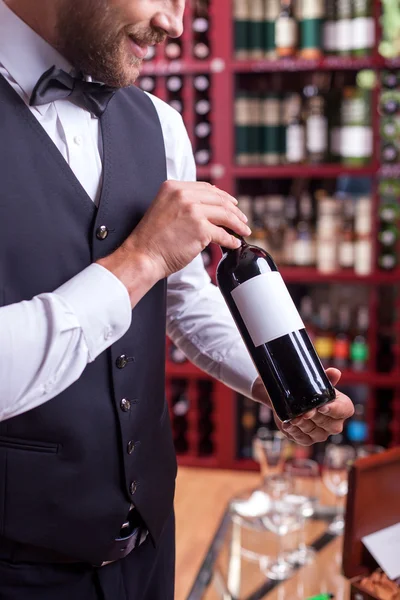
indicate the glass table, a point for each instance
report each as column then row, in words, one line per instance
column 231, row 568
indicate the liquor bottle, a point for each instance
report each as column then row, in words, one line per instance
column 363, row 28
column 256, row 18
column 316, row 122
column 312, row 14
column 202, row 153
column 389, row 103
column 363, row 236
column 290, row 232
column 295, row 130
column 286, row 34
column 254, row 106
column 346, row 234
column 275, row 226
column 147, row 84
column 241, row 22
column 327, row 234
column 344, row 27
column 307, row 315
column 273, row 331
column 271, row 14
column 356, row 137
column 330, row 28
column 324, row 340
column 174, row 85
column 270, row 128
column 304, row 248
column 390, row 153
column 201, row 83
column 388, row 260
column 390, row 130
column 341, row 347
column 201, row 41
column 173, row 49
column 357, row 428
column 242, row 124
column 359, row 345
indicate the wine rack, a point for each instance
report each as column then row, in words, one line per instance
column 206, row 53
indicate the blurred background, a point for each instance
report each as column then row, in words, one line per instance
column 293, row 106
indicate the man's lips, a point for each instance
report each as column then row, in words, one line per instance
column 139, row 51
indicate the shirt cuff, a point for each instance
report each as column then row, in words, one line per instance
column 238, row 370
column 101, row 304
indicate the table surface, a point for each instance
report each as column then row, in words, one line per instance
column 201, row 500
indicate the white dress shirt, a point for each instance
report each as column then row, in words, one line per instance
column 46, row 343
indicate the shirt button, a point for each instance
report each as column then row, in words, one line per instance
column 102, row 232
column 133, row 487
column 78, row 140
column 125, row 405
column 131, row 447
column 121, row 361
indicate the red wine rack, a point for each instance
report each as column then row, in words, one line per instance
column 224, row 172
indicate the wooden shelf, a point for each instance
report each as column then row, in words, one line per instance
column 325, row 63
column 161, row 67
column 295, row 171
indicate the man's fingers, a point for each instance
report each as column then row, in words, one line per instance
column 341, row 408
column 334, row 376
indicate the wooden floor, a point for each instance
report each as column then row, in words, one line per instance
column 201, row 498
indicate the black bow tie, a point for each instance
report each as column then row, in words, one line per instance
column 56, row 84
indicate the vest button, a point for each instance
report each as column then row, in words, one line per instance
column 133, row 487
column 125, row 405
column 121, row 361
column 102, row 232
column 131, row 447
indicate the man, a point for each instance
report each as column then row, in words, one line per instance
column 91, row 230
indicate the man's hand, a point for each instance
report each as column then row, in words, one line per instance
column 318, row 424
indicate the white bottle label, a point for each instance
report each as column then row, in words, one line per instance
column 317, row 133
column 363, row 257
column 356, row 141
column 344, row 33
column 363, row 33
column 267, row 308
column 330, row 42
column 295, row 143
column 286, row 33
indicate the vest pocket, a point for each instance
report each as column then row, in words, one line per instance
column 28, row 445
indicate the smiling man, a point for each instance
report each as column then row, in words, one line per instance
column 102, row 229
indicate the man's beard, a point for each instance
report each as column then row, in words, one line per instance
column 90, row 36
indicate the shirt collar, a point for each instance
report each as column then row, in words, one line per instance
column 24, row 54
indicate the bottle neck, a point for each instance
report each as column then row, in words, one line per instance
column 237, row 236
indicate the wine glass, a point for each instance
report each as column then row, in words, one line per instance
column 270, row 449
column 305, row 474
column 281, row 519
column 337, row 462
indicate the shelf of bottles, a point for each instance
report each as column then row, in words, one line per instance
column 293, row 106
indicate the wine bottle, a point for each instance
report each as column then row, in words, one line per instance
column 273, row 331
column 295, row 130
column 341, row 348
column 312, row 14
column 286, row 31
column 363, row 28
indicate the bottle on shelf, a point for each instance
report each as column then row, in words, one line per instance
column 356, row 135
column 173, row 49
column 286, row 31
column 304, row 248
column 390, row 80
column 316, row 122
column 344, row 27
column 324, row 339
column 271, row 14
column 346, row 234
column 256, row 18
column 363, row 236
column 363, row 28
column 290, row 231
column 311, row 20
column 359, row 345
column 330, row 28
column 341, row 347
column 174, row 85
column 147, row 84
column 295, row 130
column 241, row 16
column 326, row 234
column 357, row 428
column 270, row 134
column 273, row 331
column 307, row 315
column 201, row 83
column 201, row 38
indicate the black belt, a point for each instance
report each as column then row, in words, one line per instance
column 132, row 534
